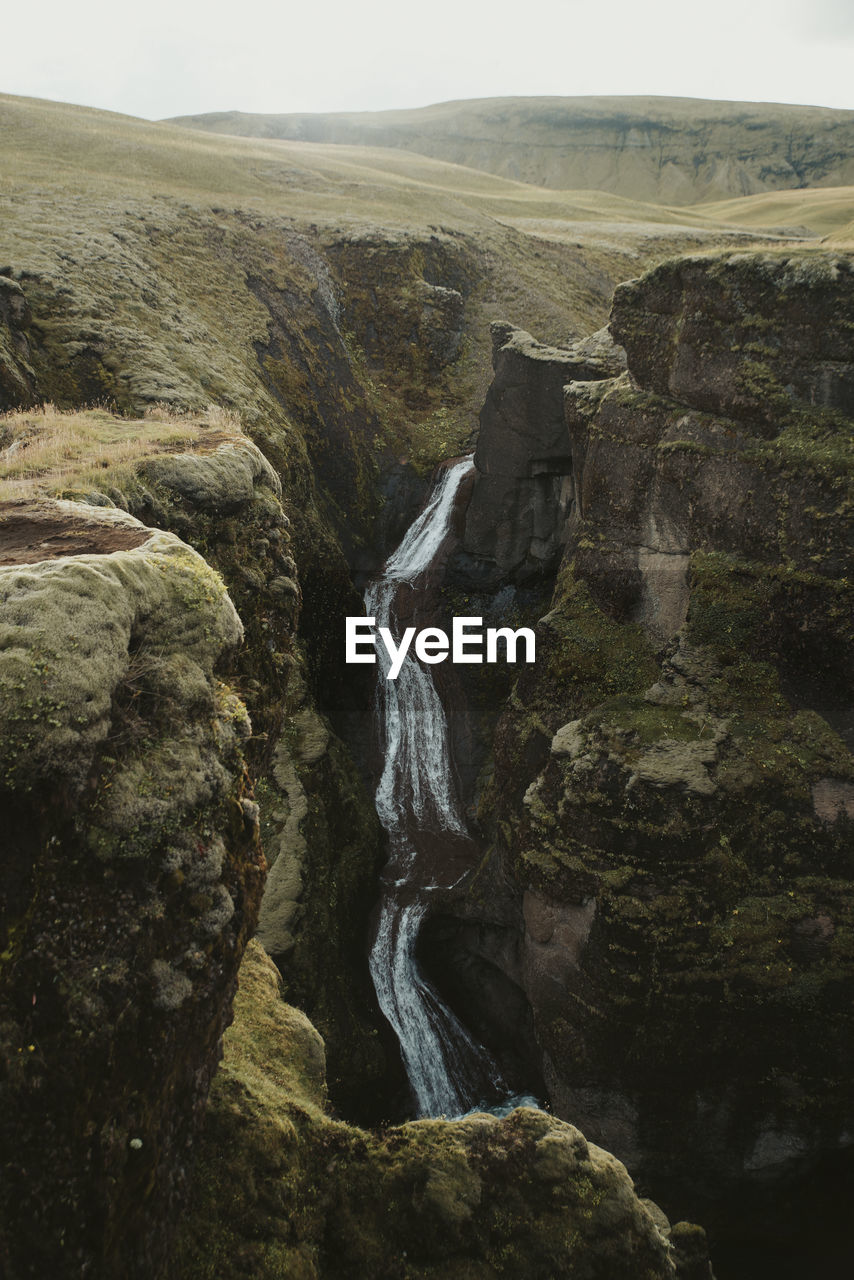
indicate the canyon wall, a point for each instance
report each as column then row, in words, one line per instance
column 671, row 794
column 134, row 875
column 517, row 513
column 672, row 758
column 155, row 724
column 309, row 1196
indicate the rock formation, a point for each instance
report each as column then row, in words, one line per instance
column 525, row 1195
column 132, row 878
column 746, row 337
column 320, row 833
column 517, row 514
column 668, row 802
column 673, row 788
column 132, row 885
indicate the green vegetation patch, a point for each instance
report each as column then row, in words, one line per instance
column 641, row 722
column 797, row 620
column 590, row 656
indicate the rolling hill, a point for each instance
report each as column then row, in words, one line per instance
column 666, row 150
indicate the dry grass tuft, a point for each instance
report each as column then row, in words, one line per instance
column 52, row 451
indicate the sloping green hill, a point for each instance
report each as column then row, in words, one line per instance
column 823, row 210
column 147, row 252
column 76, row 149
column 671, row 150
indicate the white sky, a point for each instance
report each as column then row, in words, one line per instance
column 175, row 57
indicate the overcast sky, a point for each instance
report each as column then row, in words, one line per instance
column 176, row 57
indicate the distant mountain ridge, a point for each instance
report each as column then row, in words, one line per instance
column 670, row 150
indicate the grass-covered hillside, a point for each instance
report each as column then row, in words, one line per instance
column 675, row 150
column 338, row 298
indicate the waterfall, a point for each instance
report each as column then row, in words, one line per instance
column 418, row 806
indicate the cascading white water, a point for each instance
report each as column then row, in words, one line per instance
column 416, row 775
column 446, row 1067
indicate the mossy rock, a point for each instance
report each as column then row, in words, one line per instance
column 309, row 1196
column 749, row 335
column 133, row 880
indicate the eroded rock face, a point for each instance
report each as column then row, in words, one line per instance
column 132, row 877
column 523, row 490
column 226, row 502
column 673, row 779
column 309, row 1196
column 404, row 298
column 718, row 902
column 656, row 481
column 320, row 832
column 17, row 381
column 322, row 842
column 746, row 335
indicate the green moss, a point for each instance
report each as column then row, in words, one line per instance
column 589, row 656
column 727, row 607
column 135, row 876
column 524, row 1196
column 816, row 441
column 642, row 721
column 755, row 380
column 739, row 606
column 326, row 971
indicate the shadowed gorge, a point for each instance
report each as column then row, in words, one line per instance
column 274, row 926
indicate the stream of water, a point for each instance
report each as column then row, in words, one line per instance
column 418, row 806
